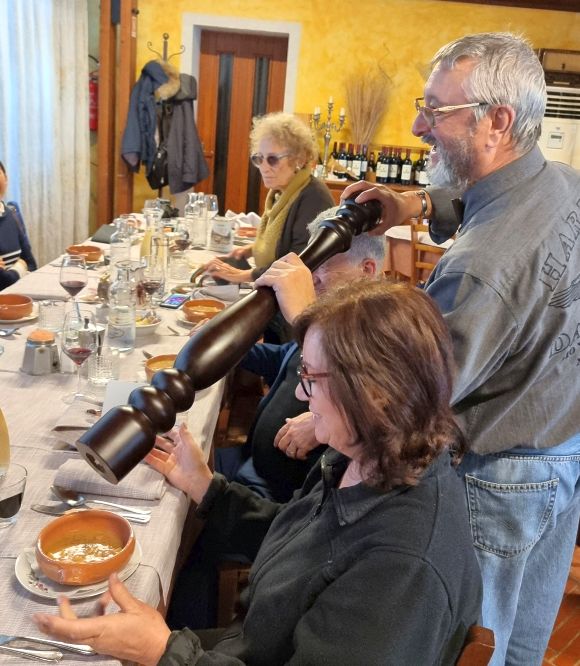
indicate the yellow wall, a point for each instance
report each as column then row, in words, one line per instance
column 339, row 37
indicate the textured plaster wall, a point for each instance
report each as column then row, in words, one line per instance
column 341, row 36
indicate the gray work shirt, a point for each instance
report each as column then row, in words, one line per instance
column 509, row 289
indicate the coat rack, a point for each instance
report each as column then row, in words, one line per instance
column 164, row 55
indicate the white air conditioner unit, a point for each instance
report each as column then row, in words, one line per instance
column 560, row 140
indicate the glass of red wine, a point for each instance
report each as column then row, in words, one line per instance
column 79, row 341
column 73, row 276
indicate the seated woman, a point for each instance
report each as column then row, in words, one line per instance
column 283, row 149
column 16, row 257
column 372, row 562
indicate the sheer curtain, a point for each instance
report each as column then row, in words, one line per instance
column 44, row 133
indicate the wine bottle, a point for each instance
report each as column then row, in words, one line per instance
column 382, row 167
column 423, row 179
column 364, row 163
column 406, row 169
column 417, row 168
column 393, row 166
column 349, row 157
column 372, row 164
column 121, row 438
column 342, row 161
column 356, row 162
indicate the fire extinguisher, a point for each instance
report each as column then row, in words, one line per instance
column 93, row 101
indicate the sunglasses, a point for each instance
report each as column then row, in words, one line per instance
column 272, row 159
column 308, row 378
column 430, row 114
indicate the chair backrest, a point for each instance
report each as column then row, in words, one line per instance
column 424, row 256
column 478, row 647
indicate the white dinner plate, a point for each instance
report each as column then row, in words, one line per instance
column 23, row 320
column 32, row 580
column 146, row 329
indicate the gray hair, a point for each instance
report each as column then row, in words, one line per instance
column 362, row 247
column 507, row 71
column 289, row 132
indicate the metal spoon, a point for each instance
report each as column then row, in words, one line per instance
column 51, row 656
column 5, row 332
column 73, row 498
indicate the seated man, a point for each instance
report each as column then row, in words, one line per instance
column 16, row 257
column 281, row 447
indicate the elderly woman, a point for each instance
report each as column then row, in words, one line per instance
column 372, row 561
column 283, row 149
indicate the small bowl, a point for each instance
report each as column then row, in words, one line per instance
column 147, row 327
column 156, row 363
column 201, row 308
column 84, row 531
column 91, row 253
column 15, row 306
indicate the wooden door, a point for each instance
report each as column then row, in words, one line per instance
column 242, row 75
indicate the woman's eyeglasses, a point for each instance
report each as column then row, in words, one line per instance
column 308, row 378
column 430, row 114
column 272, row 159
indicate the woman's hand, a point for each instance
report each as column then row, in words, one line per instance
column 296, row 437
column 136, row 633
column 218, row 268
column 181, row 461
column 242, row 252
column 397, row 206
column 292, row 281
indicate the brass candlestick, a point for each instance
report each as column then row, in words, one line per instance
column 328, row 126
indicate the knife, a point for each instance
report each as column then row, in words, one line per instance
column 70, row 647
column 56, row 511
column 51, row 656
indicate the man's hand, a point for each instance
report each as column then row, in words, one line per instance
column 296, row 437
column 181, row 461
column 292, row 281
column 136, row 633
column 397, row 206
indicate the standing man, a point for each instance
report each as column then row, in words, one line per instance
column 510, row 292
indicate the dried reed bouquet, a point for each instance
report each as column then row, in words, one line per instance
column 367, row 95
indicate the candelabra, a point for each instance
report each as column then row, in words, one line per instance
column 328, row 126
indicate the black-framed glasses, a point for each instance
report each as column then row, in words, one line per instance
column 430, row 114
column 308, row 378
column 273, row 159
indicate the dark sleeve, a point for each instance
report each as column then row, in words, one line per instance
column 387, row 600
column 265, row 360
column 313, row 200
column 8, row 277
column 443, row 223
column 25, row 248
column 184, row 649
column 236, row 517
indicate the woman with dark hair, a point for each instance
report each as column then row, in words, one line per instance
column 372, row 561
column 16, row 257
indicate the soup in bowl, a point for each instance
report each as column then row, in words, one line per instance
column 202, row 308
column 15, row 306
column 84, row 547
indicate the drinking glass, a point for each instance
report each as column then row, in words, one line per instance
column 79, row 341
column 152, row 280
column 181, row 236
column 12, row 486
column 212, row 203
column 73, row 276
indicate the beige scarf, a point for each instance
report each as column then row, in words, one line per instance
column 274, row 218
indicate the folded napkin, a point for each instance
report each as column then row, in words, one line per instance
column 41, row 286
column 142, row 482
column 74, row 421
column 228, row 293
column 245, row 219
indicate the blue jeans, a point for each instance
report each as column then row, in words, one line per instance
column 524, row 507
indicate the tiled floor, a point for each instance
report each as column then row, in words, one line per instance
column 564, row 646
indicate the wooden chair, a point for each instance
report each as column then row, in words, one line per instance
column 232, row 577
column 424, row 257
column 478, row 647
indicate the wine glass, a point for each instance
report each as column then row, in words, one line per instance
column 152, row 281
column 79, row 341
column 181, row 235
column 73, row 276
column 212, row 203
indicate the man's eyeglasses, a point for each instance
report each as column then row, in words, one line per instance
column 308, row 378
column 272, row 159
column 430, row 114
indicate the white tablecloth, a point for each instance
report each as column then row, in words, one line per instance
column 32, row 406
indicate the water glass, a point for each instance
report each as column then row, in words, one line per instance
column 179, row 268
column 51, row 315
column 103, row 366
column 12, row 486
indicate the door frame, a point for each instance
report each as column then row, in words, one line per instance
column 193, row 24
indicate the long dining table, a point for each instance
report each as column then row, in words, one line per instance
column 33, row 406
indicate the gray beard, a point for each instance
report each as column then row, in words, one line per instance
column 444, row 174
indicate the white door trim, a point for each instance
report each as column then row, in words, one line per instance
column 193, row 24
